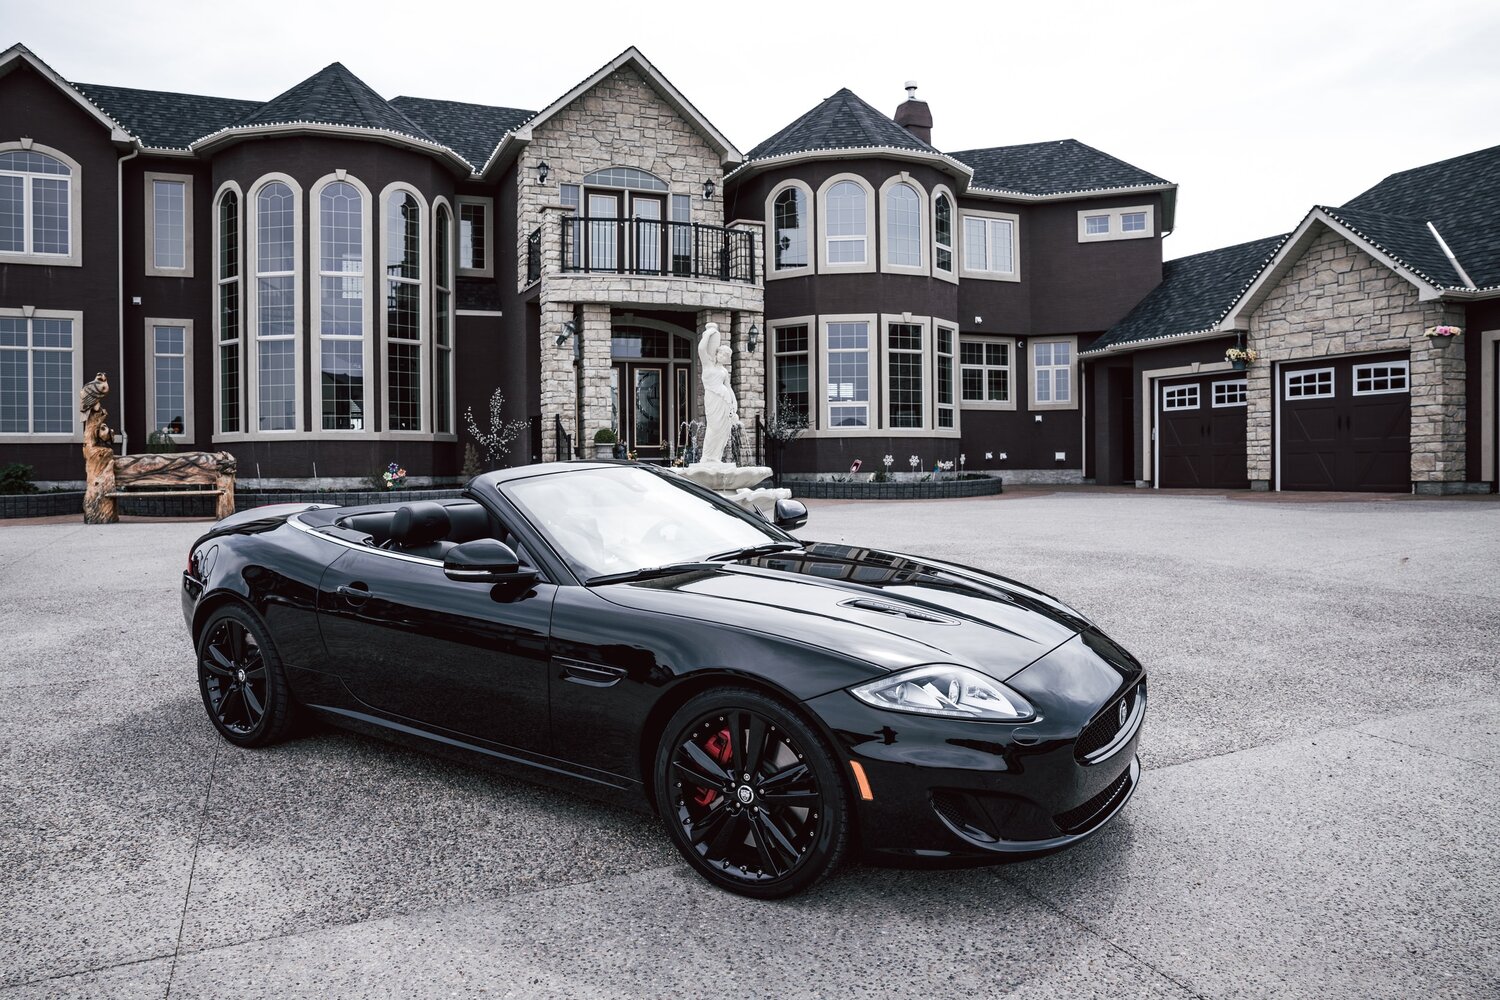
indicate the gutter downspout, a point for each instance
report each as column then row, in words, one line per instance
column 120, row 297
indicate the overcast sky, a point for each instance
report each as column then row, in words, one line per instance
column 1258, row 110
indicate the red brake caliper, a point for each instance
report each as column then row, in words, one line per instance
column 718, row 748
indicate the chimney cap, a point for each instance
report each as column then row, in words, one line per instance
column 911, row 90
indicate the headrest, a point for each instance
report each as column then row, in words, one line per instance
column 419, row 523
column 469, row 521
column 376, row 524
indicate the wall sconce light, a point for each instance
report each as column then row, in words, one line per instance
column 542, row 170
column 752, row 338
column 569, row 329
column 708, row 189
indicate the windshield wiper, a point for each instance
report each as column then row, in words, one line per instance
column 756, row 550
column 648, row 572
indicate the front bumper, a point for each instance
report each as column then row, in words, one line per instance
column 945, row 788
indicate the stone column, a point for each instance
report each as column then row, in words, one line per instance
column 1438, row 404
column 598, row 327
column 750, row 379
column 556, row 374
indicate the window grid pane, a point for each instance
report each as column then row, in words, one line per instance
column 903, row 226
column 49, row 215
column 12, row 214
column 169, row 223
column 791, row 348
column 984, row 371
column 472, row 252
column 848, row 385
column 904, row 351
column 790, row 227
column 944, row 233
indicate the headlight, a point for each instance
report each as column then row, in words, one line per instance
column 949, row 691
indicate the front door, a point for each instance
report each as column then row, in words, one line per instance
column 1345, row 424
column 640, row 403
column 647, row 242
column 1200, row 431
column 410, row 643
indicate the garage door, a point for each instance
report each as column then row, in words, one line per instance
column 1200, row 432
column 1345, row 424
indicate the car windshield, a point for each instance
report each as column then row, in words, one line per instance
column 620, row 519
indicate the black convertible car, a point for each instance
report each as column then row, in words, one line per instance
column 612, row 626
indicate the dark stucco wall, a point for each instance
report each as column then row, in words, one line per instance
column 32, row 106
column 1481, row 316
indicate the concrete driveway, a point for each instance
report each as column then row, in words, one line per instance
column 1318, row 817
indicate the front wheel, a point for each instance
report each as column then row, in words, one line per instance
column 750, row 794
column 241, row 679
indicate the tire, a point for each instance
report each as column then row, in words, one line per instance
column 236, row 654
column 770, row 835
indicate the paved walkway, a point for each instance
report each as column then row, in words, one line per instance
column 1318, row 817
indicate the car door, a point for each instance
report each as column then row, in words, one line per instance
column 468, row 658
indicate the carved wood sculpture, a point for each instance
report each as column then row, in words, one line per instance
column 98, row 453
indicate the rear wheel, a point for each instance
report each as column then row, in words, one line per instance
column 241, row 679
column 750, row 794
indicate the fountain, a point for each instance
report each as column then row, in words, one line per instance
column 721, row 420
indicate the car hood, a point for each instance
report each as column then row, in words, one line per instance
column 888, row 609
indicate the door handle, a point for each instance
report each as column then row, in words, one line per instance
column 355, row 593
column 591, row 674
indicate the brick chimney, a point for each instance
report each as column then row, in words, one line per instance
column 914, row 115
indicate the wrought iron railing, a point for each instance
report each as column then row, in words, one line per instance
column 534, row 256
column 563, row 440
column 652, row 246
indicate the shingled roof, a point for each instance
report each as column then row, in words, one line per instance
column 1195, row 293
column 165, row 120
column 334, row 96
column 842, row 121
column 472, row 129
column 1458, row 196
column 1062, row 166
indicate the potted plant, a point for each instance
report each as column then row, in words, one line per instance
column 604, row 442
column 1441, row 336
column 1240, row 357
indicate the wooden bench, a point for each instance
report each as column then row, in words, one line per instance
column 181, row 474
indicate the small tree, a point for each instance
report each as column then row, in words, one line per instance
column 471, row 467
column 497, row 440
column 784, row 427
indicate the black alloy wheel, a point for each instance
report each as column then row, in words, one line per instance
column 751, row 795
column 240, row 676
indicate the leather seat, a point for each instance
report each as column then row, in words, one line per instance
column 420, row 529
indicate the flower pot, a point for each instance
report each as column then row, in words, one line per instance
column 1238, row 366
column 604, row 449
column 1441, row 341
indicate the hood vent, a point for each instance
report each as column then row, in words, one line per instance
column 896, row 611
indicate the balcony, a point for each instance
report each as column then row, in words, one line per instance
column 655, row 247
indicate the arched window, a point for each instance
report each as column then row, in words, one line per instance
column 625, row 177
column 403, row 311
column 848, row 223
column 37, row 206
column 442, row 323
column 341, row 307
column 789, row 224
column 942, row 229
column 903, row 226
column 227, row 272
column 276, row 307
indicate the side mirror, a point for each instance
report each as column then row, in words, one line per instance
column 790, row 514
column 485, row 561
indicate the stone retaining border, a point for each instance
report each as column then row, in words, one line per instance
column 952, row 489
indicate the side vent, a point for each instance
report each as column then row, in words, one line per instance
column 896, row 611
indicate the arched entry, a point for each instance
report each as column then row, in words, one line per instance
column 651, row 387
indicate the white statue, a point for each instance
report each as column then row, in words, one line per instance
column 721, row 410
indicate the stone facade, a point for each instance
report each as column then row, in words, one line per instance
column 622, row 121
column 1338, row 300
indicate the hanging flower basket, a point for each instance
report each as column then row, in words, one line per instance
column 1240, row 358
column 1441, row 336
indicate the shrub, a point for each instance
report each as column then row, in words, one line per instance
column 16, row 478
column 160, row 442
column 605, row 435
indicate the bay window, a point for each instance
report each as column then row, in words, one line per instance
column 905, row 381
column 846, row 205
column 846, row 380
column 404, row 338
column 789, row 349
column 943, row 387
column 227, row 315
column 442, row 321
column 901, row 225
column 277, row 305
column 343, row 319
column 790, row 229
column 942, row 235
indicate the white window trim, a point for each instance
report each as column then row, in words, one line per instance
column 424, row 312
column 1073, row 394
column 1185, row 391
column 217, row 431
column 811, row 267
column 871, row 229
column 451, row 434
column 987, row 404
column 1116, row 232
column 488, row 204
column 1015, row 246
column 251, row 311
column 956, row 389
column 74, row 256
column 924, row 236
column 35, row 437
column 186, row 180
column 151, row 323
column 953, row 237
column 929, row 377
column 814, row 416
column 1286, row 384
column 1242, row 383
column 1404, row 366
column 374, row 275
column 821, row 385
